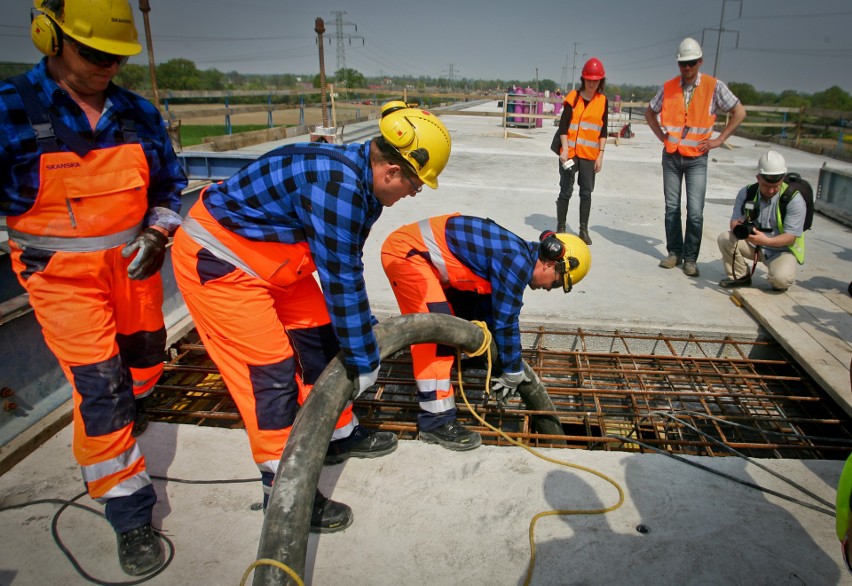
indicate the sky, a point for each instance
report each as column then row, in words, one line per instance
column 774, row 45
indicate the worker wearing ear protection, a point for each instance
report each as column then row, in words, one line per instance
column 245, row 260
column 90, row 186
column 475, row 269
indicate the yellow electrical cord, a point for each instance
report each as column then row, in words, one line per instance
column 269, row 562
column 486, row 348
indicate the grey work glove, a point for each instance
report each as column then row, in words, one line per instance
column 150, row 248
column 506, row 385
column 365, row 381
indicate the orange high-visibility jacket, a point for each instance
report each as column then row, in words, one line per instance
column 584, row 132
column 686, row 127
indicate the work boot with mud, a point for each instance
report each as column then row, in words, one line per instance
column 328, row 516
column 453, row 436
column 362, row 443
column 671, row 261
column 139, row 550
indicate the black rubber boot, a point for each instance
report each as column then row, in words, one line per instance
column 584, row 234
column 561, row 214
column 362, row 443
column 139, row 550
column 140, row 423
column 329, row 516
column 585, row 209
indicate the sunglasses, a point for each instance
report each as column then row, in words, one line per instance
column 692, row 63
column 98, row 58
column 772, row 179
column 417, row 188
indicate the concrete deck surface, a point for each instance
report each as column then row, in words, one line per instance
column 424, row 515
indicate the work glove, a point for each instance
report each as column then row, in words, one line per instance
column 506, row 385
column 365, row 381
column 150, row 248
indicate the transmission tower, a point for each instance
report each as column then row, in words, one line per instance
column 340, row 35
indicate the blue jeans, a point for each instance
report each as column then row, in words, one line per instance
column 678, row 169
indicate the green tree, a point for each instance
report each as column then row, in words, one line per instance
column 792, row 99
column 834, row 98
column 134, row 77
column 349, row 78
column 745, row 92
column 178, row 74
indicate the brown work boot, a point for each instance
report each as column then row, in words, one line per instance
column 671, row 261
column 690, row 269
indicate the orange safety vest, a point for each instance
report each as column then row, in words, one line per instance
column 584, row 132
column 275, row 262
column 451, row 271
column 696, row 119
column 89, row 203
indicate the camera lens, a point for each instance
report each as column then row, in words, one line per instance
column 742, row 231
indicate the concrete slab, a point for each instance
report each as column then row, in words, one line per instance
column 425, row 515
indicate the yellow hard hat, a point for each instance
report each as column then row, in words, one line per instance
column 105, row 25
column 419, row 137
column 569, row 250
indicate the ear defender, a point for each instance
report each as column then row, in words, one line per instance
column 46, row 37
column 397, row 131
column 550, row 247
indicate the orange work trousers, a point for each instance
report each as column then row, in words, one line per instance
column 107, row 332
column 418, row 289
column 270, row 343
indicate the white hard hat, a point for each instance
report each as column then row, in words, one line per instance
column 771, row 163
column 688, row 50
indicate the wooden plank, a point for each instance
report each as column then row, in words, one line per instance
column 827, row 323
column 829, row 372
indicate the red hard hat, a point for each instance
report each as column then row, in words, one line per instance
column 593, row 69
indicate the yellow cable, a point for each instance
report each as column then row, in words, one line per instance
column 269, row 562
column 486, row 347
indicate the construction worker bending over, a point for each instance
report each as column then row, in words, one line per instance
column 90, row 187
column 767, row 224
column 245, row 260
column 475, row 269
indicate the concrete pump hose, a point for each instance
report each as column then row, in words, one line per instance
column 286, row 525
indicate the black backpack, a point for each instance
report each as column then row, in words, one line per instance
column 795, row 183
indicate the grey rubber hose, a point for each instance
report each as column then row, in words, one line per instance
column 287, row 522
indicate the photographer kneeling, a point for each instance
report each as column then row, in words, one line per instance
column 765, row 228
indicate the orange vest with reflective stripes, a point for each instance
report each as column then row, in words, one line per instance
column 94, row 202
column 696, row 119
column 584, row 132
column 278, row 263
column 451, row 271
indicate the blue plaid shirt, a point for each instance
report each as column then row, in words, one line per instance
column 20, row 153
column 324, row 197
column 507, row 262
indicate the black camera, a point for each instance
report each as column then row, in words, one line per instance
column 744, row 230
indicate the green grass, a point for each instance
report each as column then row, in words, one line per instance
column 191, row 134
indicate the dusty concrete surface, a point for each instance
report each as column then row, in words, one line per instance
column 424, row 515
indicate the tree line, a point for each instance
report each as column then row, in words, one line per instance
column 182, row 74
